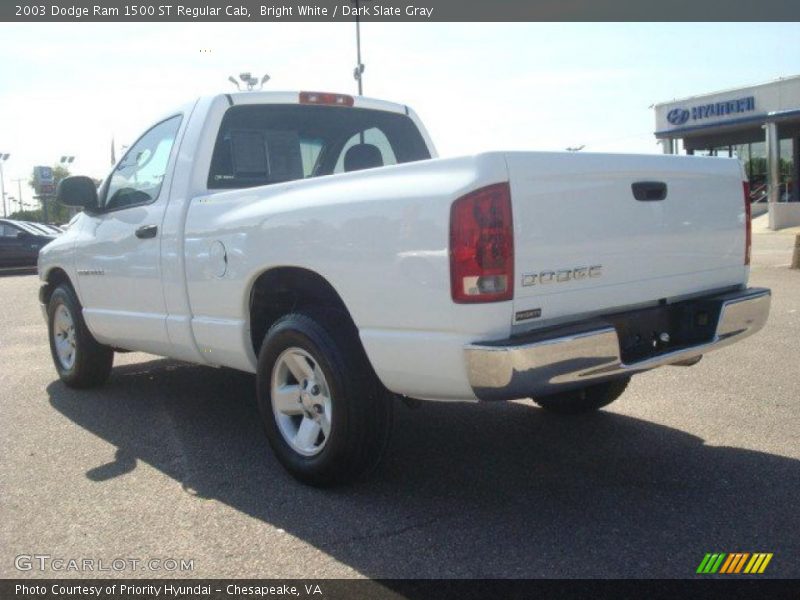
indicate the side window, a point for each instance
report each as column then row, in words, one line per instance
column 138, row 177
column 9, row 231
column 373, row 136
column 310, row 150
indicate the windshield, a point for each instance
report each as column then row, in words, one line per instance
column 263, row 144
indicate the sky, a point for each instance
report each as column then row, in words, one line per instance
column 67, row 88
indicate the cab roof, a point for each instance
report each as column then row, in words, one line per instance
column 293, row 97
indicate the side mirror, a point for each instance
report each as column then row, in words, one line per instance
column 77, row 190
column 21, row 235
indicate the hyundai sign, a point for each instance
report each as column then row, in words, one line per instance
column 742, row 108
column 680, row 115
column 43, row 180
column 43, row 174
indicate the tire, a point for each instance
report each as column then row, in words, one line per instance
column 584, row 400
column 332, row 422
column 89, row 362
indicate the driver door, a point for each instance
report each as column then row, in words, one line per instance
column 18, row 247
column 118, row 250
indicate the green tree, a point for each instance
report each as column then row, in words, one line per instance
column 27, row 215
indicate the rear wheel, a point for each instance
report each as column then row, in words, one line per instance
column 325, row 414
column 81, row 361
column 584, row 400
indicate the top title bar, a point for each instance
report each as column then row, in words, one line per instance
column 401, row 10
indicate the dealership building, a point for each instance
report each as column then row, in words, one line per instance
column 758, row 124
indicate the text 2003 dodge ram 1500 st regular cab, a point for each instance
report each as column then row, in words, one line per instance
column 314, row 239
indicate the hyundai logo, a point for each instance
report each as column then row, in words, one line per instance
column 678, row 116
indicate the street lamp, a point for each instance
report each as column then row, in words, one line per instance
column 66, row 161
column 250, row 81
column 3, row 158
column 19, row 190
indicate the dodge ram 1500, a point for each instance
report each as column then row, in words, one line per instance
column 315, row 240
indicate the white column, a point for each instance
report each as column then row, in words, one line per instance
column 773, row 162
column 3, row 188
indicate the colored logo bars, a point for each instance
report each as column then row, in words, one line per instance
column 736, row 562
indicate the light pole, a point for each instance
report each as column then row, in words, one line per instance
column 358, row 72
column 3, row 158
column 19, row 192
column 65, row 162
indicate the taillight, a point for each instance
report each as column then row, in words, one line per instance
column 482, row 246
column 326, row 98
column 748, row 225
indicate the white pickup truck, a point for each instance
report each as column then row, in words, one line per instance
column 315, row 240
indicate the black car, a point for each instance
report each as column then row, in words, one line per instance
column 20, row 243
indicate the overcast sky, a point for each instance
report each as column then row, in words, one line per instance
column 67, row 88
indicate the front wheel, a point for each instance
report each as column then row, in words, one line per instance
column 325, row 414
column 587, row 399
column 81, row 361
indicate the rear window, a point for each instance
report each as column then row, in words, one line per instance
column 38, row 228
column 264, row 144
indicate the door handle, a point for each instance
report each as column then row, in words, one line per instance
column 147, row 231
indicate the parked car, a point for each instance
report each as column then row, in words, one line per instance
column 45, row 228
column 315, row 240
column 20, row 243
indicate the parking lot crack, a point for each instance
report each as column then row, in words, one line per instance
column 387, row 533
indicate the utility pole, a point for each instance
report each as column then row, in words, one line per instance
column 3, row 158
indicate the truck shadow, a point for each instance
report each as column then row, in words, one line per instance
column 492, row 490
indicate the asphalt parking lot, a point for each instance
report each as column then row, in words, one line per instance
column 169, row 461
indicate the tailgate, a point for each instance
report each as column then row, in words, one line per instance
column 584, row 245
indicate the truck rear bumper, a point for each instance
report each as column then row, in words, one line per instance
column 572, row 356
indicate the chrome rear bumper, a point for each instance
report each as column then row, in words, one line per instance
column 572, row 356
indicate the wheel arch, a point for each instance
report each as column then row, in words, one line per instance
column 281, row 290
column 55, row 276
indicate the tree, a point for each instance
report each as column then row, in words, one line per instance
column 27, row 215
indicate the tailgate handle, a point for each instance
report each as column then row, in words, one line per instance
column 649, row 190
